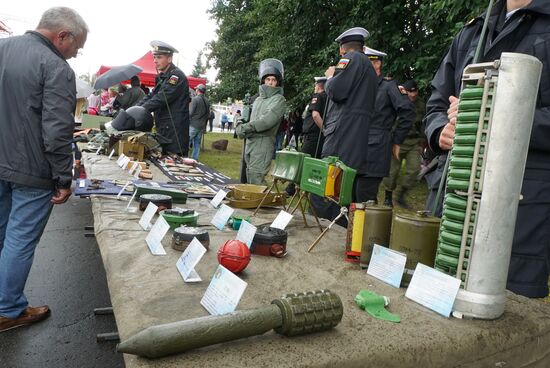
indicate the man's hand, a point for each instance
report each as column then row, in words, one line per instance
column 61, row 195
column 330, row 71
column 447, row 135
column 395, row 151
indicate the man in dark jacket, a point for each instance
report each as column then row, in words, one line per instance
column 521, row 26
column 169, row 101
column 200, row 111
column 37, row 101
column 313, row 122
column 390, row 103
column 131, row 96
column 351, row 90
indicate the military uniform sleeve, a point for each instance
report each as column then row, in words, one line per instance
column 339, row 87
column 270, row 117
column 59, row 103
column 171, row 88
column 443, row 86
column 406, row 113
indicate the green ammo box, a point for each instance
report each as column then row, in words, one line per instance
column 288, row 165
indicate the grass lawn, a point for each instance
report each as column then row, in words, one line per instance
column 228, row 163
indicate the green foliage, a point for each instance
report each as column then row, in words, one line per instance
column 199, row 68
column 414, row 33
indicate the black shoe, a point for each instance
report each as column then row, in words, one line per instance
column 388, row 202
column 290, row 189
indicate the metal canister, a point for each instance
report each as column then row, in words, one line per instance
column 416, row 236
column 377, row 229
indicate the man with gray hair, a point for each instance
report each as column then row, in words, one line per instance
column 37, row 101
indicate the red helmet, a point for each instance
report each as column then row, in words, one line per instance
column 234, row 255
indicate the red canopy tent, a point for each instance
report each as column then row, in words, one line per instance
column 149, row 72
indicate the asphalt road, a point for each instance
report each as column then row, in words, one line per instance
column 68, row 275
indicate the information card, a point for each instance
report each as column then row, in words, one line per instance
column 433, row 289
column 282, row 220
column 111, row 154
column 154, row 238
column 120, row 159
column 224, row 292
column 189, row 259
column 222, row 215
column 218, row 198
column 387, row 265
column 148, row 214
column 246, row 233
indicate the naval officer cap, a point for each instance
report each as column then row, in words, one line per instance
column 357, row 34
column 320, row 80
column 374, row 54
column 162, row 48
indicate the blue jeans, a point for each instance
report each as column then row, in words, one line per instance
column 24, row 212
column 195, row 136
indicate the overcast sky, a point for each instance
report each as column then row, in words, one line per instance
column 120, row 30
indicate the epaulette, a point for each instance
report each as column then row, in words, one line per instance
column 472, row 21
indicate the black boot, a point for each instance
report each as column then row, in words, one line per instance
column 388, row 202
column 401, row 199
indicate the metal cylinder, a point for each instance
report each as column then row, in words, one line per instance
column 290, row 315
column 416, row 236
column 515, row 98
column 377, row 229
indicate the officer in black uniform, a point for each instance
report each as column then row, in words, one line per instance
column 351, row 89
column 382, row 142
column 313, row 123
column 522, row 27
column 169, row 101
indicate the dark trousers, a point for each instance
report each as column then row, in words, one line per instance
column 365, row 189
column 310, row 144
column 530, row 262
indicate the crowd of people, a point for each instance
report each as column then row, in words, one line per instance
column 356, row 114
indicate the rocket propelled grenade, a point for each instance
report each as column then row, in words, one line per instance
column 290, row 315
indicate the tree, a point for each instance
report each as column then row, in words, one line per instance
column 199, row 68
column 414, row 33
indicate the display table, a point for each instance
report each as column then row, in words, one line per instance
column 147, row 290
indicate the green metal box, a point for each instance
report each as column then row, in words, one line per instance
column 288, row 165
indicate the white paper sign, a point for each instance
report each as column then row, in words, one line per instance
column 189, row 259
column 82, row 183
column 133, row 168
column 98, row 150
column 433, row 289
column 138, row 171
column 246, row 233
column 224, row 292
column 125, row 162
column 282, row 220
column 220, row 218
column 131, row 200
column 123, row 189
column 120, row 159
column 148, row 214
column 218, row 198
column 387, row 265
column 111, row 154
column 154, row 238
